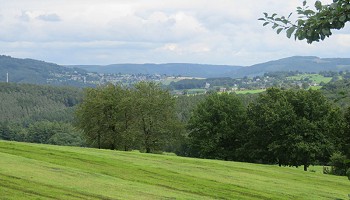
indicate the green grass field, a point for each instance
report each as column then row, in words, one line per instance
column 317, row 78
column 34, row 171
column 250, row 91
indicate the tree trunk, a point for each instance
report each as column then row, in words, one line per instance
column 305, row 167
column 99, row 140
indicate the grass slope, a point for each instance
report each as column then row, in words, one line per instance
column 34, row 171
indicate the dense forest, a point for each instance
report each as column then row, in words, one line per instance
column 289, row 127
column 41, row 114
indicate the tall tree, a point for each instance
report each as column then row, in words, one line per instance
column 346, row 136
column 292, row 128
column 314, row 129
column 270, row 120
column 156, row 117
column 101, row 116
column 216, row 126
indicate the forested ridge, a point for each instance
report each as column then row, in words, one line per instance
column 38, row 113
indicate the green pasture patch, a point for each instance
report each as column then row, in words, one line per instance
column 250, row 91
column 316, row 78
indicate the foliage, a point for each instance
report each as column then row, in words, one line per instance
column 36, row 113
column 116, row 117
column 339, row 164
column 288, row 127
column 155, row 115
column 312, row 25
column 215, row 127
column 338, row 92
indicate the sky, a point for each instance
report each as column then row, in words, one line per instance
column 154, row 31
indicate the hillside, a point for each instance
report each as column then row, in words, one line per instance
column 40, row 72
column 296, row 63
column 37, row 72
column 27, row 102
column 34, row 171
column 183, row 69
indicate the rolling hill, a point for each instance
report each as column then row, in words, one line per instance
column 296, row 63
column 40, row 72
column 183, row 69
column 36, row 171
column 36, row 72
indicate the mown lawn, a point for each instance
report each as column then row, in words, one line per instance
column 34, row 171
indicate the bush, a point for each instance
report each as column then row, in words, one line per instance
column 338, row 163
column 348, row 173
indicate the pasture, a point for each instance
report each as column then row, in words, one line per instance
column 36, row 171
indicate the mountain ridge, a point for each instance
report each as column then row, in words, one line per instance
column 41, row 72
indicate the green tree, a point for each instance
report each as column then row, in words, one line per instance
column 292, row 128
column 216, row 126
column 315, row 128
column 345, row 141
column 101, row 116
column 270, row 119
column 155, row 116
column 312, row 24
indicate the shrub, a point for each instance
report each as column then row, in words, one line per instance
column 338, row 163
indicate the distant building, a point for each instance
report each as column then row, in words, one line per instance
column 222, row 89
column 207, row 85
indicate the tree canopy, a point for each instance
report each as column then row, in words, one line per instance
column 312, row 24
column 116, row 117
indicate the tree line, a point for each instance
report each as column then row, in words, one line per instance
column 286, row 127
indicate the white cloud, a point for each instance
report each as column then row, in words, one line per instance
column 114, row 31
column 52, row 17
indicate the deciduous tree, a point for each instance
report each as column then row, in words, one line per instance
column 216, row 126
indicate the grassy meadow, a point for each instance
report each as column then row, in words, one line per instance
column 35, row 171
column 250, row 91
column 316, row 78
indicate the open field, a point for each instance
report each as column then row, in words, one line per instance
column 34, row 171
column 250, row 91
column 170, row 79
column 316, row 78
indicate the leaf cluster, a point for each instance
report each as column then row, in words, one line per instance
column 312, row 24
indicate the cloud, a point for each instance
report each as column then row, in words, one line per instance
column 114, row 31
column 25, row 16
column 49, row 17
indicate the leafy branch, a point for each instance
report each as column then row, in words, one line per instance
column 312, row 24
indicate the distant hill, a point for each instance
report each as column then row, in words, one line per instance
column 35, row 71
column 296, row 63
column 40, row 72
column 183, row 69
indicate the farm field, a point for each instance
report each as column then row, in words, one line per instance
column 316, row 78
column 250, row 91
column 36, row 171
